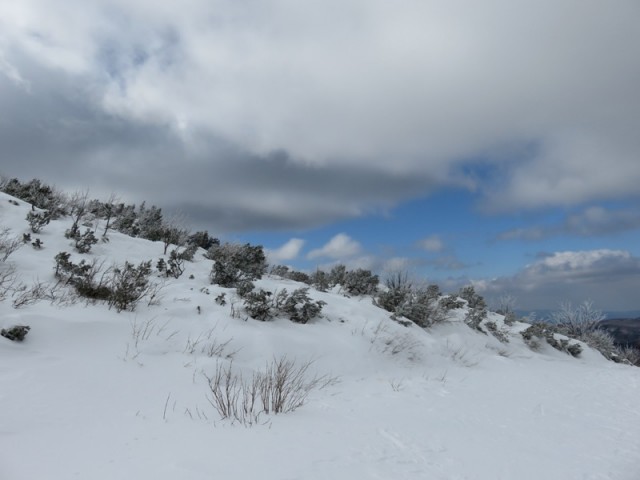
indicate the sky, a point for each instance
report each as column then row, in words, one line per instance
column 493, row 143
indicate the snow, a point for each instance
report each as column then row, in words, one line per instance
column 96, row 394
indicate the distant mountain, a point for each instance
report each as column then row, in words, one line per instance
column 626, row 331
column 543, row 314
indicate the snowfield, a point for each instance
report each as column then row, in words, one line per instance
column 98, row 395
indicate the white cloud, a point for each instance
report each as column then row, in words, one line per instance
column 608, row 277
column 432, row 244
column 396, row 264
column 289, row 251
column 339, row 247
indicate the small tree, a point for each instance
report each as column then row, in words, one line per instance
column 173, row 235
column 129, row 284
column 79, row 206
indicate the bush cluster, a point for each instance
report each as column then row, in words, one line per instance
column 36, row 193
column 477, row 307
column 297, row 306
column 84, row 241
column 283, row 271
column 121, row 287
column 235, row 263
column 421, row 305
column 38, row 220
column 354, row 282
column 542, row 331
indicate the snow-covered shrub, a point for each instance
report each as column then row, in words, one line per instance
column 279, row 271
column 451, row 302
column 220, row 299
column 493, row 329
column 202, row 240
column 337, row 274
column 38, row 194
column 17, row 333
column 627, row 354
column 244, row 287
column 149, row 224
column 174, row 267
column 474, row 318
column 360, row 282
column 37, row 220
column 258, row 305
column 188, row 253
column 129, row 284
column 87, row 278
column 474, row 300
column 398, row 290
column 600, row 340
column 320, row 280
column 541, row 331
column 235, row 262
column 299, row 307
column 299, row 277
column 85, row 241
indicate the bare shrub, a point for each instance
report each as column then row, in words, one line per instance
column 8, row 244
column 628, row 354
column 8, row 280
column 506, row 306
column 282, row 387
column 601, row 341
column 577, row 321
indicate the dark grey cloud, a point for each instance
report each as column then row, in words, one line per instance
column 357, row 90
column 55, row 132
column 608, row 277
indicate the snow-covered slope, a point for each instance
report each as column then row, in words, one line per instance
column 95, row 394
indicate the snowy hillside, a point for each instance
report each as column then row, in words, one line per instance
column 96, row 394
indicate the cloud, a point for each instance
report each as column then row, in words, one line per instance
column 412, row 92
column 608, row 277
column 589, row 222
column 56, row 135
column 446, row 262
column 12, row 73
column 289, row 251
column 432, row 244
column 339, row 247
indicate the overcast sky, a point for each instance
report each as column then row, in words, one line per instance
column 492, row 142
